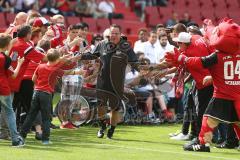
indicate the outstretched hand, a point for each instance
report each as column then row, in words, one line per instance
column 175, row 58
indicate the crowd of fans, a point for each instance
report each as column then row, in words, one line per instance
column 39, row 42
column 84, row 8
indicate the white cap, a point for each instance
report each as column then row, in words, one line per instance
column 106, row 33
column 183, row 37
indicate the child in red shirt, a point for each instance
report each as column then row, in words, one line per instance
column 45, row 78
column 5, row 91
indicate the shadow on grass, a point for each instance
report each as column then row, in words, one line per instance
column 144, row 141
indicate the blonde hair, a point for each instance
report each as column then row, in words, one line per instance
column 53, row 55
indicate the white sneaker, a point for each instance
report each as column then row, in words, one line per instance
column 174, row 134
column 181, row 137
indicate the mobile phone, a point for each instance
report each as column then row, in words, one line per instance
column 15, row 34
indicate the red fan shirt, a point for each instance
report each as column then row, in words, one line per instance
column 198, row 48
column 4, row 85
column 47, row 77
column 65, row 6
column 32, row 67
column 22, row 49
column 225, row 71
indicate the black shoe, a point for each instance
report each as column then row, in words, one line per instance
column 227, row 145
column 38, row 136
column 54, row 126
column 19, row 143
column 197, row 148
column 110, row 133
column 100, row 133
column 192, row 142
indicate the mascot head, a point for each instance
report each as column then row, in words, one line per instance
column 225, row 37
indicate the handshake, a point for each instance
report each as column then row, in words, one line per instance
column 175, row 58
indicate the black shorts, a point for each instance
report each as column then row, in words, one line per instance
column 222, row 110
column 106, row 98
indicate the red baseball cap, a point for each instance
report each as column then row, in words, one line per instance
column 41, row 21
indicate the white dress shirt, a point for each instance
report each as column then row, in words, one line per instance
column 162, row 50
column 138, row 46
column 106, row 7
column 151, row 51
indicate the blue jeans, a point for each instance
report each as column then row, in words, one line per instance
column 41, row 101
column 7, row 111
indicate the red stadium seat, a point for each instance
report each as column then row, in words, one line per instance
column 11, row 17
column 72, row 20
column 131, row 16
column 192, row 4
column 206, row 4
column 233, row 5
column 195, row 16
column 3, row 24
column 92, row 24
column 152, row 15
column 165, row 14
column 181, row 11
column 181, row 4
column 102, row 24
column 219, row 4
column 129, row 27
column 132, row 39
column 221, row 15
column 208, row 14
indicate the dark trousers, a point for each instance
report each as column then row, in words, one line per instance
column 231, row 136
column 189, row 117
column 22, row 102
column 41, row 101
column 204, row 96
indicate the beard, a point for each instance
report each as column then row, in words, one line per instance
column 163, row 44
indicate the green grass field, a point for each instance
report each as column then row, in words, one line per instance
column 130, row 142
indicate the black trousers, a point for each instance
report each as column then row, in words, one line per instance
column 190, row 116
column 231, row 136
column 42, row 102
column 22, row 102
column 204, row 96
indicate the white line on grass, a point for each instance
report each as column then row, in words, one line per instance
column 161, row 151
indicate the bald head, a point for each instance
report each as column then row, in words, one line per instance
column 20, row 18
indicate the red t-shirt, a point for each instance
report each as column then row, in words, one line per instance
column 4, row 85
column 30, row 70
column 47, row 76
column 225, row 73
column 64, row 7
column 22, row 49
column 198, row 48
column 32, row 67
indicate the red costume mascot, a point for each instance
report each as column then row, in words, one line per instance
column 224, row 67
